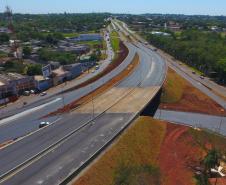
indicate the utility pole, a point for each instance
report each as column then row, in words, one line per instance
column 15, row 45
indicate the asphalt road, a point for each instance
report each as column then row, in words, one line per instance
column 55, row 166
column 199, row 86
column 203, row 85
column 213, row 123
column 36, row 100
column 28, row 120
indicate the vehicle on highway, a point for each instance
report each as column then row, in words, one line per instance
column 202, row 77
column 97, row 67
column 43, row 94
column 193, row 72
column 93, row 71
column 43, row 124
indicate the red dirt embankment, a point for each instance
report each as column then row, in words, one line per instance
column 178, row 154
column 219, row 181
column 180, row 95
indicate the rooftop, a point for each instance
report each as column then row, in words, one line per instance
column 7, row 77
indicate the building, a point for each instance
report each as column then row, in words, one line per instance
column 173, row 26
column 74, row 70
column 60, row 76
column 89, row 37
column 54, row 65
column 160, row 33
column 42, row 84
column 77, row 49
column 15, row 84
column 5, row 30
column 86, row 62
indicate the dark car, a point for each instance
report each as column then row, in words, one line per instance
column 43, row 124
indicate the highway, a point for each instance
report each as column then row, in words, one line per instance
column 53, row 153
column 79, row 146
column 198, row 85
column 208, row 87
column 50, row 155
column 216, row 124
column 29, row 120
column 36, row 100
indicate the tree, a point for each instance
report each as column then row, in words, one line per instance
column 221, row 67
column 34, row 69
column 27, row 51
column 211, row 160
column 4, row 37
column 58, row 36
column 50, row 39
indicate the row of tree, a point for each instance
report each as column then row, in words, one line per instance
column 28, row 26
column 23, row 68
column 205, row 51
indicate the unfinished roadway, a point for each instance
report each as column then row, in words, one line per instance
column 52, row 154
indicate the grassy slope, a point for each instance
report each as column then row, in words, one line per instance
column 208, row 140
column 132, row 159
column 173, row 91
column 179, row 94
column 151, row 153
column 115, row 41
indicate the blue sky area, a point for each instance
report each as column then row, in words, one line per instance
column 207, row 7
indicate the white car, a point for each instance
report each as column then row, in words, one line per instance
column 43, row 93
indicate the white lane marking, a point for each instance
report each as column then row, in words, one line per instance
column 151, row 71
column 12, row 118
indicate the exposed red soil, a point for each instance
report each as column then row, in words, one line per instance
column 178, row 155
column 192, row 103
column 220, row 181
column 193, row 100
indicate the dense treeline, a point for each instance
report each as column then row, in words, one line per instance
column 63, row 57
column 205, row 51
column 28, row 26
column 23, row 68
column 185, row 21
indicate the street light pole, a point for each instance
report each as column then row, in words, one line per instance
column 93, row 108
column 63, row 100
column 222, row 116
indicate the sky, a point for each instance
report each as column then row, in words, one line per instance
column 190, row 7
